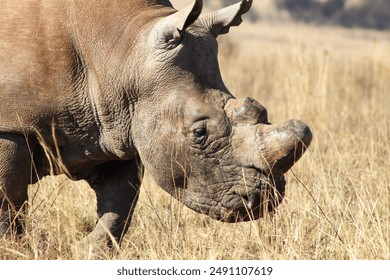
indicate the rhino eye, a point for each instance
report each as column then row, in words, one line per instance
column 200, row 135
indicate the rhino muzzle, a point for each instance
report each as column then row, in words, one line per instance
column 251, row 203
column 265, row 152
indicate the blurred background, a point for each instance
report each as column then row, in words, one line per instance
column 373, row 14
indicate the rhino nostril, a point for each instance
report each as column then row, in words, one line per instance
column 254, row 200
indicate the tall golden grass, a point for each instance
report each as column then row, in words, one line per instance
column 337, row 204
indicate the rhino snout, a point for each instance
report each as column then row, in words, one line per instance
column 260, row 154
column 265, row 152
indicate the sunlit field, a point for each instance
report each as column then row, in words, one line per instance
column 337, row 204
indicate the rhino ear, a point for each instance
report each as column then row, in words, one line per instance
column 186, row 16
column 219, row 22
column 171, row 27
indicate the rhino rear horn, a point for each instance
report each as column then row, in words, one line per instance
column 220, row 21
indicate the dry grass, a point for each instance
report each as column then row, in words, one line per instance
column 338, row 202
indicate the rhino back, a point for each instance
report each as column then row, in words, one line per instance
column 34, row 65
column 43, row 44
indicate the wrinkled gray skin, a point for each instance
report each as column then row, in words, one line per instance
column 112, row 87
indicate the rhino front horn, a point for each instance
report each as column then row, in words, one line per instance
column 271, row 148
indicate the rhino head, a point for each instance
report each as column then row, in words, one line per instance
column 216, row 154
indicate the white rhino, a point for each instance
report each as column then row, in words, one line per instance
column 113, row 87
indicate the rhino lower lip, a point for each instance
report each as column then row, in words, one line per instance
column 244, row 203
column 251, row 203
column 247, row 203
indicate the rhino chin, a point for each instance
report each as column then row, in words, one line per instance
column 245, row 204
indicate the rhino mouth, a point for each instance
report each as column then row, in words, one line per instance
column 247, row 203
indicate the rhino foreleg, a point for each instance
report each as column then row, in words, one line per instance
column 116, row 185
column 15, row 175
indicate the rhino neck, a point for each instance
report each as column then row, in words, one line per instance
column 97, row 116
column 105, row 70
